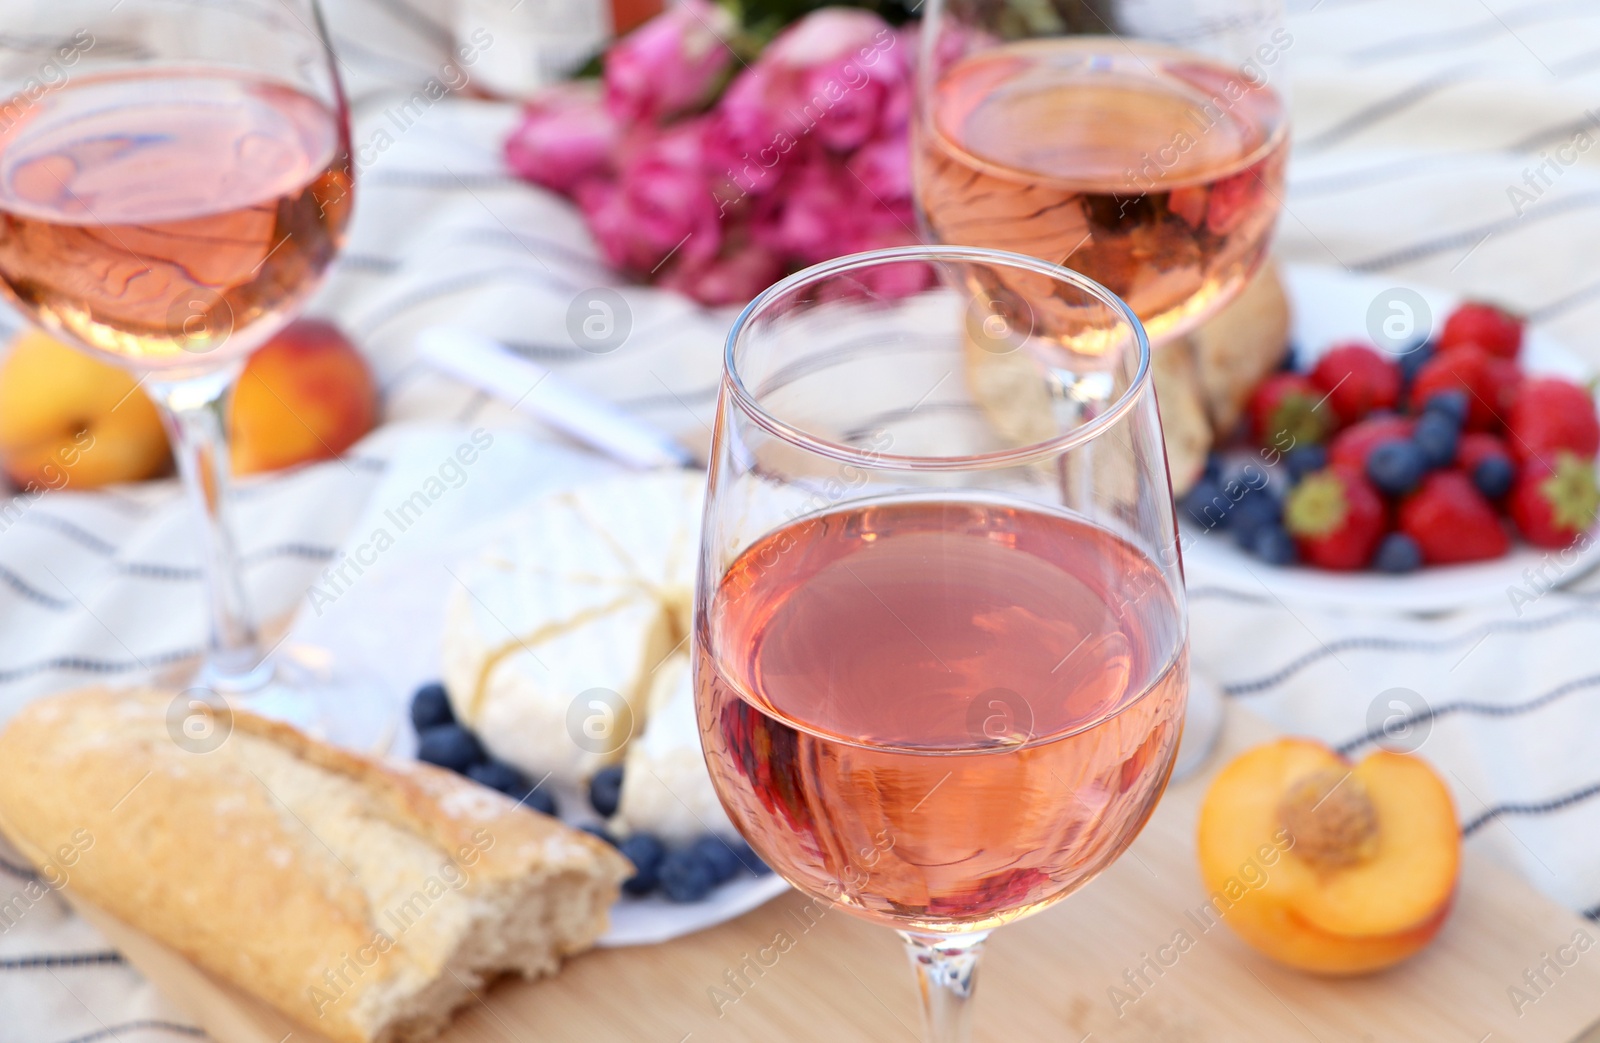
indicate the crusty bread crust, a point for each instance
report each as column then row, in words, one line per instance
column 1240, row 345
column 345, row 891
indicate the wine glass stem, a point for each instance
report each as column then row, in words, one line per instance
column 947, row 970
column 195, row 411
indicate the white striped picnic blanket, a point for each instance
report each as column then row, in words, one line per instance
column 1439, row 142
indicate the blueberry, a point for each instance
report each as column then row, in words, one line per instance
column 719, row 855
column 1437, row 436
column 686, row 876
column 1413, row 358
column 1398, row 553
column 1396, row 467
column 450, row 746
column 605, row 790
column 1290, row 361
column 498, row 775
column 1251, row 513
column 1452, row 404
column 1304, row 460
column 749, row 859
column 1213, row 469
column 646, row 853
column 538, row 798
column 599, row 832
column 430, row 707
column 1207, row 505
column 1493, row 476
column 1273, row 545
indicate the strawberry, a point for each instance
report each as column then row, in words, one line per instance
column 1477, row 446
column 1284, row 413
column 1233, row 199
column 1189, row 203
column 1351, row 446
column 1554, row 504
column 1336, row 519
column 1464, row 369
column 1357, row 380
column 1507, row 379
column 1551, row 415
column 1495, row 330
column 1452, row 521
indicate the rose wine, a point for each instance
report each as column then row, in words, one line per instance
column 940, row 713
column 157, row 216
column 1153, row 171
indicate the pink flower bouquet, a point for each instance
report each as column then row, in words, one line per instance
column 716, row 187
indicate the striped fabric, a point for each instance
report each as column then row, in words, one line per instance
column 1438, row 142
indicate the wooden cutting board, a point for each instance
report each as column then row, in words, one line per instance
column 1047, row 978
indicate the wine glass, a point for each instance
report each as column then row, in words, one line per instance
column 175, row 178
column 940, row 675
column 1140, row 142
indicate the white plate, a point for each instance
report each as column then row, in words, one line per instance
column 387, row 624
column 1331, row 306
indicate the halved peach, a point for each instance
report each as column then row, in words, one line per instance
column 1326, row 865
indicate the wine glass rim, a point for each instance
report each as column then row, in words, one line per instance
column 1012, row 457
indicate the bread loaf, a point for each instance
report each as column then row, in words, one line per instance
column 1184, row 423
column 364, row 899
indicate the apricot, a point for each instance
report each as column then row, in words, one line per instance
column 1327, row 865
column 68, row 419
column 306, row 394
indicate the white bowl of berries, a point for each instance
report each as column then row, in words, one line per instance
column 1416, row 452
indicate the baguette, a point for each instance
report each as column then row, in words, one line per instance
column 365, row 900
column 1240, row 345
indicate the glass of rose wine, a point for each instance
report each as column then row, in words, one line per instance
column 1140, row 142
column 175, row 179
column 940, row 671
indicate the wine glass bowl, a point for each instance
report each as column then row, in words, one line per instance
column 940, row 665
column 1140, row 142
column 174, row 178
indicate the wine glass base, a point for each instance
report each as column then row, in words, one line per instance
column 1202, row 726
column 355, row 712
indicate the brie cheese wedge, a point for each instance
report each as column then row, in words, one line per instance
column 557, row 629
column 665, row 787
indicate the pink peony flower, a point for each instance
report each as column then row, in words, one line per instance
column 810, row 219
column 661, row 204
column 751, row 142
column 670, row 64
column 733, row 278
column 883, row 166
column 566, row 137
column 844, row 73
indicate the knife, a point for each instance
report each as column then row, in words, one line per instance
column 488, row 364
